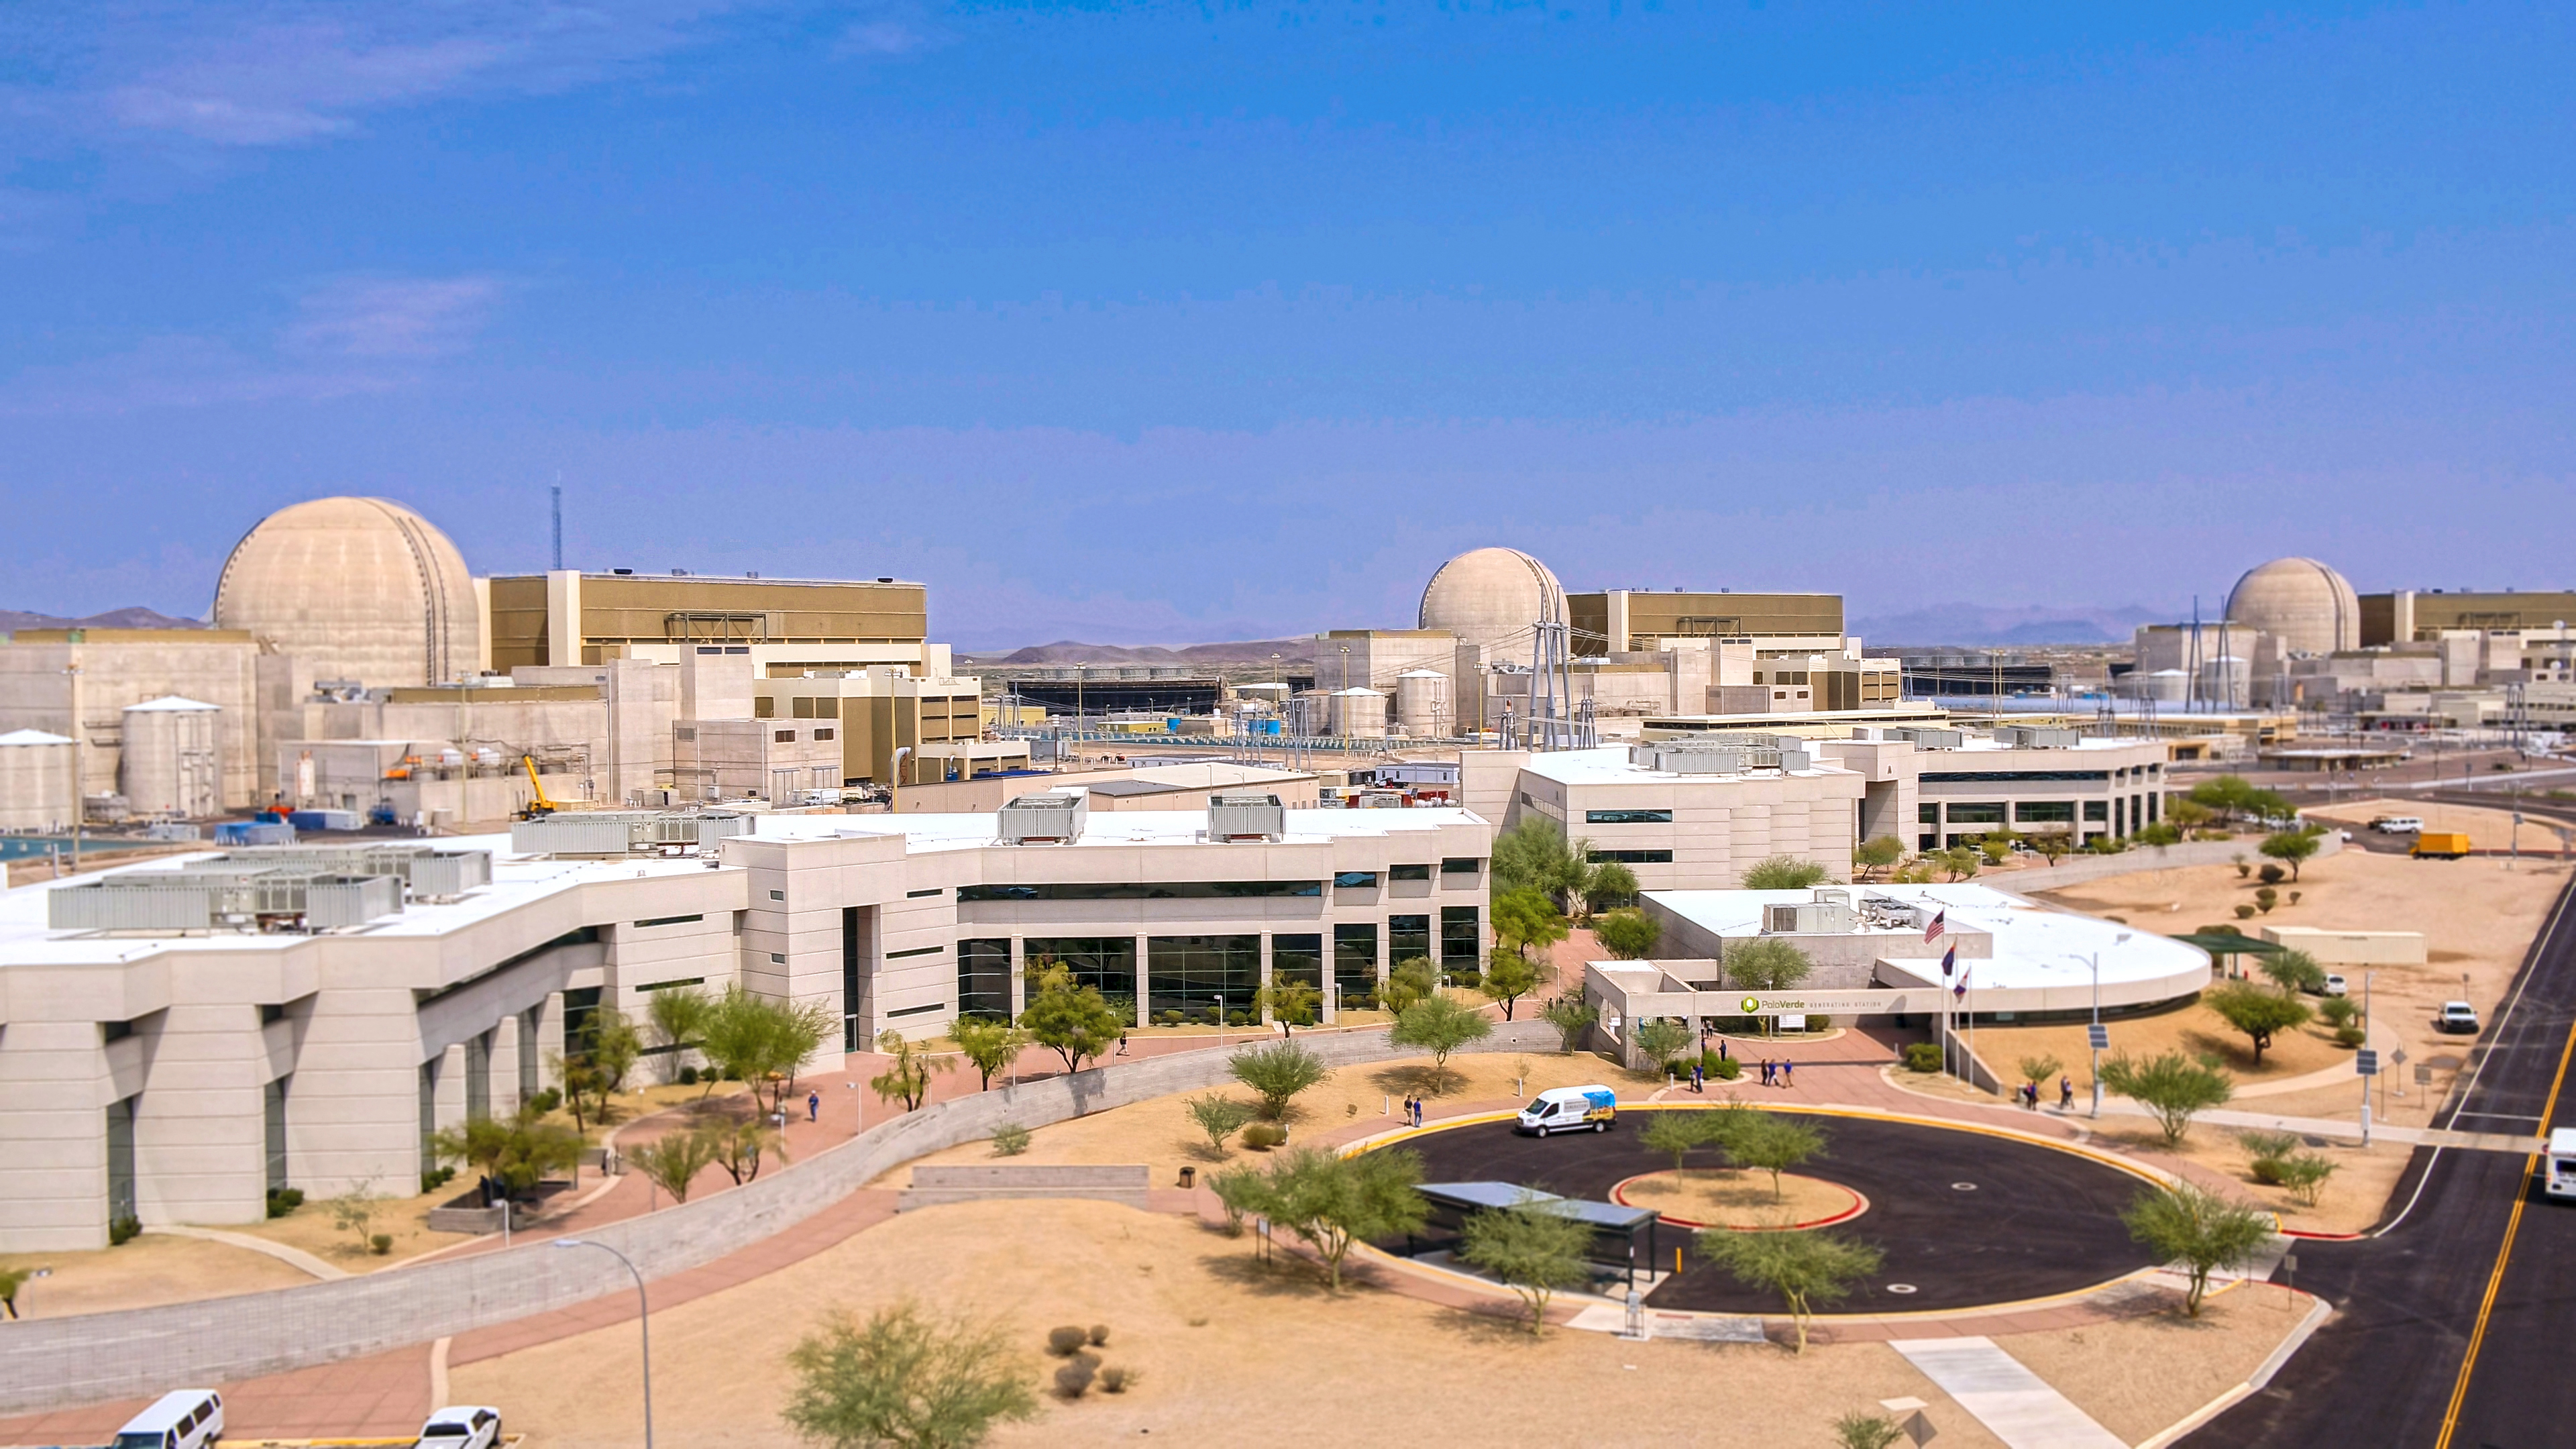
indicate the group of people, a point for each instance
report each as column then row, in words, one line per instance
column 2029, row 1094
column 1412, row 1111
column 1780, row 1073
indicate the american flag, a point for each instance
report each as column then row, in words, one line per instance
column 1940, row 923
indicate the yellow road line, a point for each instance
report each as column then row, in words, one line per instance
column 2504, row 1254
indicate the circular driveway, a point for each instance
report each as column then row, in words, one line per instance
column 1964, row 1218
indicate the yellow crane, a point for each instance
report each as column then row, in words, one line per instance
column 539, row 806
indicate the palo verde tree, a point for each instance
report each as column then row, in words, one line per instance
column 1278, row 1071
column 1075, row 1022
column 2290, row 847
column 1663, row 1040
column 1805, row 1269
column 1290, row 1003
column 1782, row 873
column 2171, row 1086
column 760, row 1041
column 1572, row 1016
column 516, row 1152
column 2256, row 1011
column 1675, row 1133
column 903, row 1381
column 989, row 1045
column 1333, row 1201
column 2198, row 1231
column 1220, row 1118
column 1533, row 1247
column 1413, row 979
column 1767, row 963
column 673, row 1160
column 906, row 1079
column 1439, row 1026
column 1526, row 918
column 1509, row 976
column 1769, row 1142
column 2294, row 970
column 1628, row 935
column 678, row 1017
column 1878, row 853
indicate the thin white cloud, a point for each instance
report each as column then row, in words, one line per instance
column 404, row 317
column 882, row 38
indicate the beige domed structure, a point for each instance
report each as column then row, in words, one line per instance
column 1490, row 597
column 354, row 588
column 2303, row 605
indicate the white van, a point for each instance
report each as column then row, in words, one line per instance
column 2559, row 1173
column 2398, row 825
column 180, row 1419
column 1569, row 1109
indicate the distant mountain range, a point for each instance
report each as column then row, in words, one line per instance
column 113, row 619
column 1971, row 624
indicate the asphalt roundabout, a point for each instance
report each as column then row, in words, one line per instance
column 1965, row 1219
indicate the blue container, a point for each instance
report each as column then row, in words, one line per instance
column 254, row 832
column 1270, row 727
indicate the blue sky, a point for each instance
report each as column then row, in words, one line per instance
column 1170, row 323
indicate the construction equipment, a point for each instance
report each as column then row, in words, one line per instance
column 539, row 806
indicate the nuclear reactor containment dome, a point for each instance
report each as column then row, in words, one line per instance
column 354, row 588
column 2300, row 602
column 1490, row 597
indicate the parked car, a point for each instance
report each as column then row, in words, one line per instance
column 461, row 1426
column 180, row 1419
column 2457, row 1016
column 2335, row 986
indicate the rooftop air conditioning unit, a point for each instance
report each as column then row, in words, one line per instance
column 2030, row 737
column 1052, row 816
column 1246, row 817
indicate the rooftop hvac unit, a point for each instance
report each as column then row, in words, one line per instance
column 1694, row 759
column 1246, row 817
column 209, row 896
column 93, row 908
column 428, row 870
column 1930, row 739
column 1815, row 918
column 2030, row 737
column 351, row 900
column 605, row 832
column 1050, row 815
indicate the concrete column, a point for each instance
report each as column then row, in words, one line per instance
column 448, row 1106
column 200, row 1145
column 505, row 1067
column 1266, row 1018
column 1143, row 974
column 55, row 1079
column 550, row 1040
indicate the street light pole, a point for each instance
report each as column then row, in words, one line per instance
column 643, row 1316
column 2367, row 978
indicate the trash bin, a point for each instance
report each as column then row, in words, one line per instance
column 1189, row 1175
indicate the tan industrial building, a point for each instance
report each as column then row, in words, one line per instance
column 44, row 671
column 790, row 626
column 2404, row 615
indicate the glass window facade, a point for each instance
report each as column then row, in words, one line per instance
column 1928, row 813
column 984, row 978
column 1627, row 817
column 272, row 1120
column 2045, row 812
column 2009, row 777
column 1462, row 865
column 1976, row 812
column 1297, row 960
column 1182, row 890
column 1105, row 962
column 1355, row 878
column 1408, row 937
column 1187, row 978
column 1408, row 872
column 2099, row 810
column 1355, row 970
column 1635, row 857
column 1459, row 948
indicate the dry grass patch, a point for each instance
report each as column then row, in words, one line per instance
column 150, row 1270
column 1729, row 1197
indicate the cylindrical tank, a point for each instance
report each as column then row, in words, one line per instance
column 1359, row 713
column 1422, row 702
column 35, row 781
column 2226, row 680
column 172, row 753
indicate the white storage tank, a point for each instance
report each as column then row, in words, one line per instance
column 35, row 781
column 1422, row 703
column 1359, row 713
column 173, row 757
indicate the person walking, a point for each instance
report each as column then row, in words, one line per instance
column 2065, row 1092
column 1699, row 1078
column 1721, row 1049
column 1788, row 1074
column 1766, row 1071
column 813, row 1106
column 1122, row 1044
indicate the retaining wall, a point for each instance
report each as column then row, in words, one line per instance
column 52, row 1363
column 2077, row 869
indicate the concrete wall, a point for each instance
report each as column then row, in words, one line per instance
column 57, row 1362
column 120, row 667
column 2077, row 869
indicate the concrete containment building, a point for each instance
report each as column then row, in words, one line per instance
column 2304, row 605
column 35, row 781
column 173, row 758
column 355, row 588
column 1490, row 597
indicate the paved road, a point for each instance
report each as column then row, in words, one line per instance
column 1966, row 1218
column 2384, row 1370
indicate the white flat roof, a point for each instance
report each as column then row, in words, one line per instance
column 1120, row 827
column 1609, row 766
column 2036, row 946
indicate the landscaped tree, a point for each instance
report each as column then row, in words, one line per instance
column 1959, row 862
column 1526, row 918
column 1877, row 854
column 2172, row 1086
column 1769, row 1142
column 2290, row 847
column 678, row 1015
column 1220, row 1117
column 1333, row 1201
column 756, row 1040
column 11, row 1280
column 1609, row 883
column 1572, row 1016
column 1413, row 979
column 610, row 1043
column 1534, row 1248
column 1439, row 1026
column 901, row 1381
column 2162, row 832
column 673, row 1160
column 2199, row 1231
column 2187, row 813
column 1075, row 1022
column 2294, row 970
column 1534, row 855
column 1664, row 1039
column 1782, row 873
column 585, row 1092
column 741, row 1144
column 1675, row 1133
column 2037, row 1070
column 990, row 1045
column 354, row 1211
column 2255, row 1011
column 1767, row 963
column 1628, row 935
column 1278, row 1071
column 1508, row 977
column 1996, row 845
column 1290, row 1003
column 906, row 1079
column 515, row 1151
column 1805, row 1269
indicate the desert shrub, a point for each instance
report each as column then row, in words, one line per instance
column 1074, row 1378
column 547, row 1100
column 1922, row 1056
column 1010, row 1140
column 2244, row 913
column 1116, row 1380
column 2271, row 874
column 1262, row 1136
column 121, row 1231
column 381, row 1244
column 688, row 1076
column 1064, row 1341
column 2349, row 1035
column 1099, row 1335
column 284, row 1200
column 2266, row 898
column 1726, row 1069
